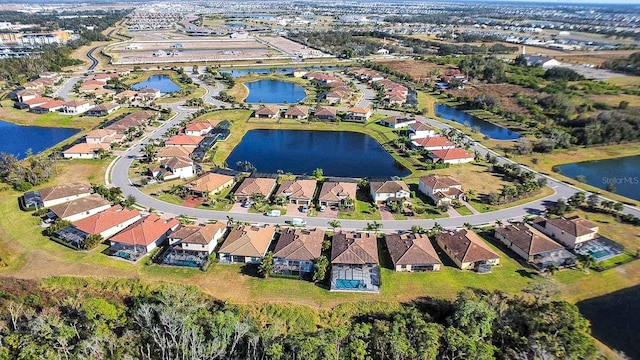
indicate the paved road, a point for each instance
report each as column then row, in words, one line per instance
column 94, row 61
column 67, row 87
column 120, row 168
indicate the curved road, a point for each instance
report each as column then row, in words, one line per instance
column 94, row 61
column 120, row 178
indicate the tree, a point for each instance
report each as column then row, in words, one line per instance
column 374, row 226
column 577, row 199
column 593, row 200
column 318, row 174
column 265, row 269
column 129, row 201
column 91, row 241
column 320, row 267
column 334, row 224
column 618, row 207
column 417, row 229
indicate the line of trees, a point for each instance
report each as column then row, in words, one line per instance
column 84, row 319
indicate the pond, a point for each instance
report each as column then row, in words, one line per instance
column 18, row 139
column 621, row 173
column 279, row 71
column 337, row 153
column 614, row 319
column 274, row 92
column 160, row 82
column 485, row 127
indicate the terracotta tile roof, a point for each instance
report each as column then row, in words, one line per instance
column 106, row 76
column 145, row 231
column 299, row 244
column 92, row 84
column 528, row 239
column 105, row 107
column 466, row 246
column 268, row 110
column 209, row 182
column 27, row 92
column 354, row 248
column 169, row 151
column 182, row 139
column 197, row 234
column 439, row 182
column 125, row 94
column 433, row 142
column 298, row 110
column 177, row 162
column 337, row 191
column 84, row 148
column 452, row 154
column 248, row 241
column 105, row 220
column 411, row 249
column 420, row 126
column 359, row 110
column 395, row 120
column 75, row 103
column 574, row 226
column 252, row 186
column 298, row 189
column 52, row 104
column 148, row 91
column 37, row 101
column 79, row 206
column 326, row 111
column 65, row 190
column 387, row 187
column 197, row 126
column 100, row 133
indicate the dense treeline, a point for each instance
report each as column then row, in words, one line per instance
column 22, row 175
column 84, row 319
column 629, row 65
column 54, row 57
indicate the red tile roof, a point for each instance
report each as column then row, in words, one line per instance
column 146, row 230
column 354, row 248
column 105, row 220
column 453, row 154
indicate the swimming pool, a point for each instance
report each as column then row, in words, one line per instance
column 346, row 284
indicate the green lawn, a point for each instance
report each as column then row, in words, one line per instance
column 464, row 211
column 363, row 211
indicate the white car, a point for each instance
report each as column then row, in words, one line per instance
column 323, row 208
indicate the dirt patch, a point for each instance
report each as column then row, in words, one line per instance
column 192, row 201
column 416, row 69
column 504, row 92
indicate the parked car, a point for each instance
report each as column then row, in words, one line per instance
column 273, row 213
column 304, row 208
column 323, row 208
column 298, row 222
column 247, row 204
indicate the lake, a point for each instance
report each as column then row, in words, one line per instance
column 623, row 173
column 274, row 92
column 280, row 71
column 614, row 319
column 160, row 82
column 485, row 127
column 337, row 153
column 18, row 139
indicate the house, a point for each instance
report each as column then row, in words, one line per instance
column 103, row 93
column 78, row 209
column 197, row 238
column 51, row 106
column 210, row 184
column 299, row 192
column 420, row 130
column 533, row 246
column 358, row 114
column 184, row 140
column 395, row 190
column 126, row 95
column 103, row 109
column 395, row 98
column 199, row 128
column 85, row 151
column 91, row 86
column 167, row 152
column 148, row 94
column 102, row 136
column 568, row 231
column 103, row 78
column 337, row 193
column 35, row 102
column 141, row 237
column 452, row 156
column 467, row 250
column 268, row 112
column 58, row 194
column 255, row 186
column 433, row 143
column 25, row 95
column 354, row 262
column 296, row 251
column 326, row 113
column 338, row 95
column 174, row 168
column 298, row 112
column 246, row 244
column 412, row 252
column 76, row 107
column 441, row 189
column 397, row 122
column 109, row 222
column 299, row 73
column 541, row 61
column 382, row 51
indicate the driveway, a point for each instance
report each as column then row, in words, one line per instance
column 237, row 208
column 294, row 210
column 329, row 213
column 385, row 213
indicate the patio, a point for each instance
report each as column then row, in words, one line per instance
column 192, row 259
column 600, row 249
column 355, row 278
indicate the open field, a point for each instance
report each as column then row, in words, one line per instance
column 53, row 119
column 415, row 68
column 504, row 92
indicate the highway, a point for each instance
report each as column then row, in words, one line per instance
column 120, row 166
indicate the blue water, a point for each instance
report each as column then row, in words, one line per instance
column 289, row 71
column 486, row 128
column 623, row 173
column 160, row 82
column 337, row 153
column 274, row 92
column 18, row 139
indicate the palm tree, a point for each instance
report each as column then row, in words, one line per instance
column 334, row 224
column 374, row 226
column 230, row 220
column 618, row 207
column 437, row 228
column 552, row 269
column 499, row 222
column 417, row 229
